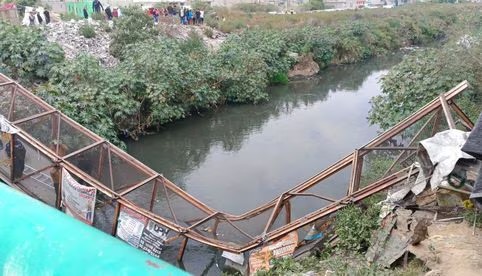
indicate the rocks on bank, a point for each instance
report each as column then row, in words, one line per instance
column 306, row 67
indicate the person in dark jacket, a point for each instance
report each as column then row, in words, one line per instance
column 39, row 18
column 86, row 14
column 108, row 12
column 97, row 6
column 47, row 17
column 19, row 153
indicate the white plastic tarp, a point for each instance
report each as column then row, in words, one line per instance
column 444, row 150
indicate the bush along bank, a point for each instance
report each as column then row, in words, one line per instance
column 160, row 79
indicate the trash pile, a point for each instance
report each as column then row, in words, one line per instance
column 212, row 38
column 67, row 35
column 423, row 217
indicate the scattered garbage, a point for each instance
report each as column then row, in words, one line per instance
column 66, row 34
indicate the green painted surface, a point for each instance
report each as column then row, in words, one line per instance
column 78, row 7
column 36, row 239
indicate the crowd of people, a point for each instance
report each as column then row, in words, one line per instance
column 186, row 15
column 97, row 7
column 38, row 17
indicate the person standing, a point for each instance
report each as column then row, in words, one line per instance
column 108, row 12
column 201, row 16
column 47, row 17
column 86, row 14
column 97, row 6
column 39, row 18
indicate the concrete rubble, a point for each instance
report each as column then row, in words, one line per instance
column 66, row 34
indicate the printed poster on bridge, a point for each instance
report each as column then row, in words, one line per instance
column 260, row 259
column 78, row 200
column 141, row 232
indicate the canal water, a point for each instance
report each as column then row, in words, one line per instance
column 240, row 156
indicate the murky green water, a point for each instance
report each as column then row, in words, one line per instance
column 239, row 157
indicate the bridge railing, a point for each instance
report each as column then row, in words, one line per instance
column 53, row 142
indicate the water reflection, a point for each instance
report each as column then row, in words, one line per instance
column 241, row 156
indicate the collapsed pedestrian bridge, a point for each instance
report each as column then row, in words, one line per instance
column 125, row 187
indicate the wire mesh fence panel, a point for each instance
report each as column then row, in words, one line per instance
column 41, row 187
column 225, row 232
column 255, row 225
column 43, row 129
column 304, row 205
column 161, row 206
column 333, row 187
column 71, row 138
column 124, row 173
column 104, row 213
column 24, row 106
column 280, row 220
column 142, row 196
column 380, row 163
column 5, row 99
column 28, row 160
column 94, row 162
column 186, row 213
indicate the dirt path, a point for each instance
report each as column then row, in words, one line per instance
column 451, row 249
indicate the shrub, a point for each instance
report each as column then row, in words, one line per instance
column 99, row 16
column 354, row 226
column 208, row 32
column 133, row 27
column 25, row 54
column 87, row 31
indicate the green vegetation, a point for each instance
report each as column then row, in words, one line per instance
column 87, row 31
column 253, row 8
column 160, row 79
column 69, row 16
column 427, row 73
column 313, row 5
column 25, row 54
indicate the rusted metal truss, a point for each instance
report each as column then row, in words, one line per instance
column 119, row 175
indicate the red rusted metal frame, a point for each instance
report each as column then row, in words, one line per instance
column 7, row 83
column 307, row 184
column 131, row 188
column 169, row 202
column 116, row 219
column 33, row 117
column 58, row 196
column 57, row 145
column 274, row 213
column 41, row 103
column 202, row 221
column 313, row 195
column 391, row 148
column 355, row 173
column 12, row 103
column 415, row 137
column 436, row 121
column 111, row 174
column 25, row 176
column 461, row 114
column 101, row 162
column 82, row 150
column 80, row 128
column 182, row 249
column 446, row 109
column 287, row 212
column 238, row 228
